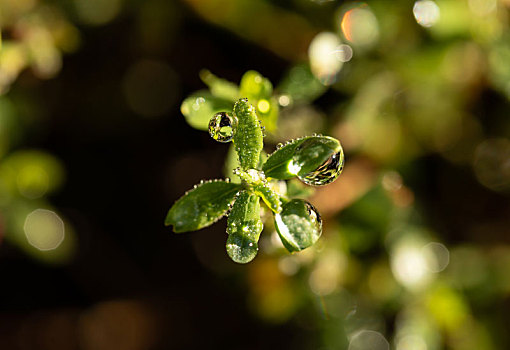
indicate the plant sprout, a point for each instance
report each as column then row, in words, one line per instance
column 315, row 160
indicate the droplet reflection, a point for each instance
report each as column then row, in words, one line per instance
column 222, row 127
column 299, row 225
column 326, row 173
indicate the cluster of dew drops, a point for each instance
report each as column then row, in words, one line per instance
column 222, row 128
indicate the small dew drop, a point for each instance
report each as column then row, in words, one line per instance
column 222, row 127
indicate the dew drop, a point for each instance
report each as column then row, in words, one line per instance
column 222, row 127
column 326, row 172
column 299, row 225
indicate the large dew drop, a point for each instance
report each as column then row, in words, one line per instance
column 324, row 173
column 299, row 225
column 222, row 127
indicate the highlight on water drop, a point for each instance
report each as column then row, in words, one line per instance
column 222, row 127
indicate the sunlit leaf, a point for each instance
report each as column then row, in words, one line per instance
column 248, row 136
column 258, row 90
column 254, row 86
column 199, row 108
column 244, row 227
column 300, row 85
column 220, row 88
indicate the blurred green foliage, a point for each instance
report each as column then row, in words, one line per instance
column 415, row 251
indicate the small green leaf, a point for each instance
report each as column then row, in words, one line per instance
column 268, row 111
column 199, row 108
column 244, row 227
column 301, row 85
column 231, row 163
column 296, row 188
column 299, row 225
column 202, row 206
column 277, row 163
column 248, row 136
column 254, row 86
column 270, row 197
column 258, row 90
column 305, row 157
column 221, row 88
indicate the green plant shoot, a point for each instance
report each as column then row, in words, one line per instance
column 315, row 160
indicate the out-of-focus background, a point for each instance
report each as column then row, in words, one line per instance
column 415, row 252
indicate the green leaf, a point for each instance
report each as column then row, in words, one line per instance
column 258, row 90
column 268, row 111
column 202, row 206
column 299, row 225
column 248, row 136
column 296, row 188
column 199, row 108
column 244, row 227
column 301, row 157
column 221, row 88
column 270, row 197
column 231, row 163
column 301, row 85
column 254, row 86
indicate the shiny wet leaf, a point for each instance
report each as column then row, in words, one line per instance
column 202, row 206
column 244, row 227
column 201, row 106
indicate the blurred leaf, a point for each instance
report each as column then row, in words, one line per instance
column 200, row 107
column 299, row 225
column 296, row 188
column 301, row 85
column 231, row 163
column 202, row 206
column 254, row 86
column 244, row 227
column 220, row 88
column 248, row 136
column 31, row 173
column 268, row 112
column 258, row 90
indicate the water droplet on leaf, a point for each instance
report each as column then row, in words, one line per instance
column 299, row 225
column 222, row 127
column 316, row 148
column 326, row 173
